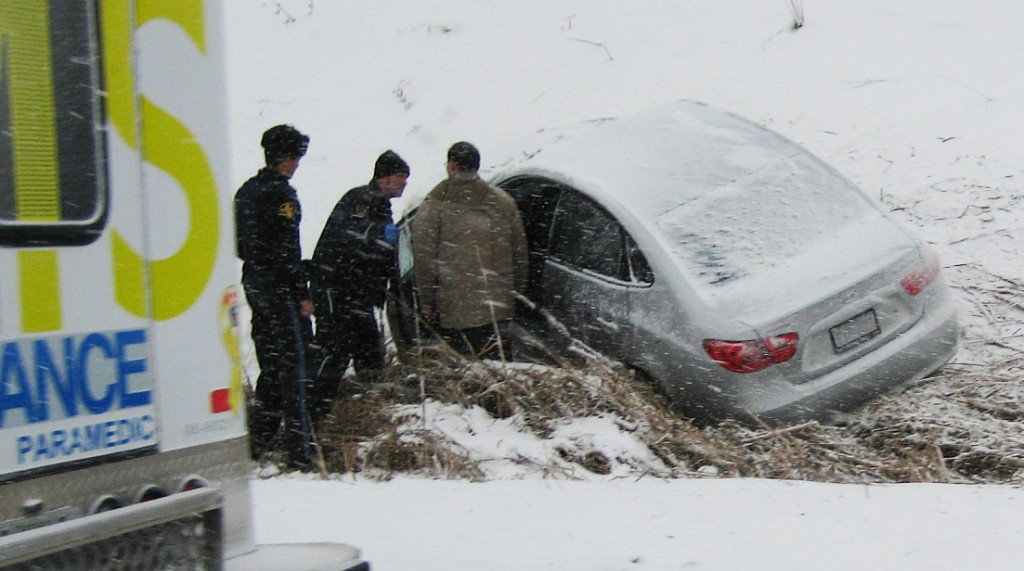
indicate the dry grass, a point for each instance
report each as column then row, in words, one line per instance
column 958, row 427
column 961, row 426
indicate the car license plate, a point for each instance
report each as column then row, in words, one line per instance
column 855, row 331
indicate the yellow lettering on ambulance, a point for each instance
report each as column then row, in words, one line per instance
column 188, row 15
column 179, row 280
column 40, row 290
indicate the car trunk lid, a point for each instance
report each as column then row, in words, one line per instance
column 843, row 297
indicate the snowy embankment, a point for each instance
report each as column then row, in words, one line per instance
column 902, row 99
column 919, row 102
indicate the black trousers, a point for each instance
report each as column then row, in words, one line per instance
column 282, row 338
column 346, row 335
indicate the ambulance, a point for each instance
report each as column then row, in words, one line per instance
column 122, row 428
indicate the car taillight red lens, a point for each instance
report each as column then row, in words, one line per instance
column 920, row 278
column 754, row 354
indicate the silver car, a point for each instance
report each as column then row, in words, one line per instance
column 728, row 264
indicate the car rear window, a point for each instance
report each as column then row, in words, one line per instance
column 760, row 220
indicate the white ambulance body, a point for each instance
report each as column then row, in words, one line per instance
column 122, row 432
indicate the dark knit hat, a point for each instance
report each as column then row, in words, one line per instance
column 281, row 142
column 465, row 156
column 389, row 163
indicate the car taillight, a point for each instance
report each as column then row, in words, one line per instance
column 752, row 355
column 922, row 276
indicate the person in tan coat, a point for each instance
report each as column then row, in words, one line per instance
column 469, row 257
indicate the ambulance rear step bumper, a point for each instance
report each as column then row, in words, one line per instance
column 300, row 556
column 179, row 531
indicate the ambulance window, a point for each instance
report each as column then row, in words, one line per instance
column 53, row 174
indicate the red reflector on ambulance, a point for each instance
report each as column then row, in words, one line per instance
column 220, row 400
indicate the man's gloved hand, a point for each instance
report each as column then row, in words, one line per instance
column 391, row 233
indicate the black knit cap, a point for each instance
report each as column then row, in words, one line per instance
column 281, row 142
column 389, row 163
column 465, row 156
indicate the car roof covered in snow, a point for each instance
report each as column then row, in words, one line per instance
column 654, row 160
column 744, row 212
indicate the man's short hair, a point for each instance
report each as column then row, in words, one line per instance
column 281, row 142
column 464, row 156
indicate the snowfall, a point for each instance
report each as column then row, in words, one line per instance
column 919, row 102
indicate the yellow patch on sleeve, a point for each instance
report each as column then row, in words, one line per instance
column 288, row 210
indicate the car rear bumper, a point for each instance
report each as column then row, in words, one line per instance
column 915, row 354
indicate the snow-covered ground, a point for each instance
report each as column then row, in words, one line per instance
column 919, row 102
column 715, row 524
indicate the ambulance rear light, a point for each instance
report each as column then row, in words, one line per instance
column 106, row 503
column 147, row 493
column 150, row 493
column 193, row 483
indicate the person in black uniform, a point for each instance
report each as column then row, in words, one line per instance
column 354, row 258
column 267, row 216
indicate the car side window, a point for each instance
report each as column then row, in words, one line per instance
column 639, row 270
column 586, row 237
column 536, row 199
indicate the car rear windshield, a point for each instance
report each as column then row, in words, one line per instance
column 757, row 222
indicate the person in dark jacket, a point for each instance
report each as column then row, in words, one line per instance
column 353, row 260
column 267, row 216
